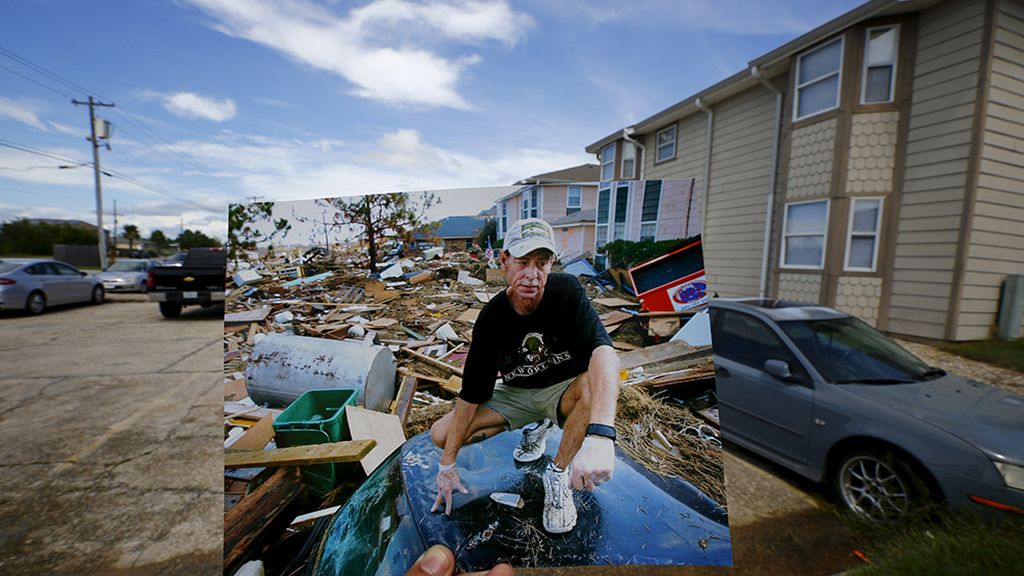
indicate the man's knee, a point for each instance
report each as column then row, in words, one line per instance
column 439, row 432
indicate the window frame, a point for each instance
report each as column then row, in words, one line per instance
column 528, row 203
column 597, row 217
column 569, row 207
column 823, row 234
column 865, row 65
column 839, row 84
column 657, row 216
column 675, row 144
column 502, row 219
column 631, row 173
column 876, row 234
column 608, row 160
column 613, row 212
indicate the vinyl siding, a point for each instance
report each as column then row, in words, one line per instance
column 691, row 137
column 552, row 201
column 936, row 179
column 996, row 246
column 739, row 185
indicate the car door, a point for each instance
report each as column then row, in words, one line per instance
column 48, row 278
column 79, row 288
column 756, row 406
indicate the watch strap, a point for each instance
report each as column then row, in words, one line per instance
column 601, row 430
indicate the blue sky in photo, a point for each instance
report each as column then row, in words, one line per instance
column 220, row 101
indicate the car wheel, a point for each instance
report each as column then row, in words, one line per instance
column 36, row 303
column 97, row 295
column 170, row 309
column 143, row 287
column 880, row 487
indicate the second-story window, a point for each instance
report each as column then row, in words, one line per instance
column 608, row 162
column 818, row 79
column 879, row 78
column 529, row 202
column 628, row 160
column 503, row 221
column 649, row 214
column 603, row 210
column 666, row 142
column 574, row 199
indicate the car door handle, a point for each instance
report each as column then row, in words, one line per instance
column 721, row 371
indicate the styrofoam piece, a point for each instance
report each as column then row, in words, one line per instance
column 284, row 317
column 243, row 277
column 431, row 253
column 357, row 331
column 446, row 332
column 394, row 271
column 696, row 332
column 468, row 280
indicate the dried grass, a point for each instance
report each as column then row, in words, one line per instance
column 423, row 416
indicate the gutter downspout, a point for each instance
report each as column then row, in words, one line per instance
column 707, row 165
column 626, row 135
column 769, row 208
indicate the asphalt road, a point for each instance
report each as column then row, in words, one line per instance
column 111, row 459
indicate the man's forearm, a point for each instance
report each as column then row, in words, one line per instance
column 604, row 385
column 464, row 412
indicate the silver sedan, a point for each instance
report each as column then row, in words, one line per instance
column 127, row 275
column 33, row 285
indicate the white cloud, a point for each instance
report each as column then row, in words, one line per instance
column 375, row 46
column 20, row 112
column 198, row 107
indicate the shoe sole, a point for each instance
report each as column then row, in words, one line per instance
column 550, row 531
column 522, row 460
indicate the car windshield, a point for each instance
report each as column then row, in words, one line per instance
column 6, row 267
column 846, row 350
column 123, row 266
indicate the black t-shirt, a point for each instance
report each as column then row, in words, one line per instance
column 548, row 346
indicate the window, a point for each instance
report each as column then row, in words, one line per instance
column 603, row 204
column 64, row 269
column 803, row 243
column 862, row 236
column 666, row 144
column 573, row 199
column 608, row 162
column 503, row 220
column 628, row 160
column 621, row 208
column 749, row 341
column 817, row 79
column 879, row 76
column 649, row 213
column 529, row 202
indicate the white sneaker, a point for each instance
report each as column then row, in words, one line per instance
column 534, row 442
column 559, row 508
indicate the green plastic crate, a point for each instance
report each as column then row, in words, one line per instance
column 316, row 417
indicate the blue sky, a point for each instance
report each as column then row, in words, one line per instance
column 221, row 100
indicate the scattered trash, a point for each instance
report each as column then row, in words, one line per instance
column 506, row 499
column 446, row 332
column 284, row 317
column 243, row 277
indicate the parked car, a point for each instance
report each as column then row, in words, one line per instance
column 829, row 397
column 127, row 275
column 198, row 281
column 175, row 259
column 34, row 284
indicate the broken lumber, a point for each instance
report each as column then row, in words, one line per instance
column 257, row 436
column 383, row 429
column 403, row 400
column 260, row 517
column 456, row 370
column 348, row 451
column 247, row 317
column 660, row 353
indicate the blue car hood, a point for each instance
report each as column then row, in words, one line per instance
column 989, row 418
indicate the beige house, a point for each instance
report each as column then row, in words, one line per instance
column 567, row 199
column 874, row 164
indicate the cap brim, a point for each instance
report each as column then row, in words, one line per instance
column 523, row 248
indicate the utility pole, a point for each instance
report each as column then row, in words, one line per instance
column 96, row 171
column 115, row 228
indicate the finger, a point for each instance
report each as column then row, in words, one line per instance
column 448, row 504
column 462, row 488
column 437, row 502
column 589, row 483
column 436, row 561
column 499, row 570
column 577, row 479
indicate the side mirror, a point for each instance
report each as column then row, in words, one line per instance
column 779, row 369
column 83, row 273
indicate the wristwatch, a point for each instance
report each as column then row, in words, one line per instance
column 601, row 430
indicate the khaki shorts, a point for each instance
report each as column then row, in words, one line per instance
column 520, row 406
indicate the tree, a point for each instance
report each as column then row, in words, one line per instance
column 24, row 237
column 196, row 239
column 382, row 217
column 131, row 232
column 488, row 231
column 244, row 229
column 160, row 240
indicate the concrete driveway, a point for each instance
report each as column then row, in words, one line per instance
column 111, row 460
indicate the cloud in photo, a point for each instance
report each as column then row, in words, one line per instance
column 385, row 49
column 198, row 107
column 20, row 112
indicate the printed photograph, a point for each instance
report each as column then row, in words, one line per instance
column 521, row 375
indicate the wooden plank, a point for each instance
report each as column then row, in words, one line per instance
column 257, row 436
column 660, row 353
column 614, row 302
column 260, row 517
column 453, row 384
column 469, row 316
column 403, row 400
column 614, row 317
column 620, row 345
column 246, row 317
column 433, row 361
column 384, row 429
column 235, row 390
column 421, row 375
column 350, row 451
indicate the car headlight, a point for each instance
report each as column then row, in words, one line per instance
column 1013, row 475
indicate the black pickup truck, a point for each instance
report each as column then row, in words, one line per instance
column 198, row 281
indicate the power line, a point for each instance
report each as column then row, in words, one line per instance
column 45, row 72
column 34, row 81
column 38, row 152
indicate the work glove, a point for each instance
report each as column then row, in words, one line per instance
column 593, row 464
column 447, row 480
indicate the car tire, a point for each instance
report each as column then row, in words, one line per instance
column 143, row 287
column 36, row 303
column 170, row 309
column 881, row 486
column 98, row 295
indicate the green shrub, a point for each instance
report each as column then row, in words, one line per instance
column 627, row 253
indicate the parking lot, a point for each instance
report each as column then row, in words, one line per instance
column 111, row 457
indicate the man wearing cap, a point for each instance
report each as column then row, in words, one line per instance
column 557, row 365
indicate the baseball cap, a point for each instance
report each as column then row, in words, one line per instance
column 527, row 235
